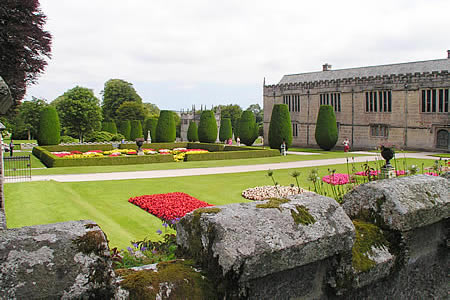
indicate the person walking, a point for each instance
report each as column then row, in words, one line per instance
column 346, row 144
column 11, row 148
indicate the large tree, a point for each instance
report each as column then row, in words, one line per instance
column 258, row 112
column 79, row 111
column 151, row 110
column 231, row 111
column 130, row 110
column 28, row 119
column 116, row 92
column 24, row 44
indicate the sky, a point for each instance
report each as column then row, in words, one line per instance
column 182, row 53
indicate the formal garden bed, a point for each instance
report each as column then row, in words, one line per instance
column 106, row 154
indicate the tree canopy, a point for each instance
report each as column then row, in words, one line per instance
column 258, row 112
column 151, row 110
column 130, row 110
column 231, row 111
column 116, row 92
column 26, row 123
column 79, row 111
column 24, row 44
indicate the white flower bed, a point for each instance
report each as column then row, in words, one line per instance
column 270, row 191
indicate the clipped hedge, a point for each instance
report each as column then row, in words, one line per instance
column 326, row 133
column 166, row 128
column 150, row 125
column 225, row 131
column 280, row 127
column 49, row 126
column 155, row 146
column 231, row 155
column 124, row 128
column 136, row 130
column 248, row 129
column 206, row 146
column 192, row 133
column 207, row 128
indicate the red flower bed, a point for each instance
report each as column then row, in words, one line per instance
column 168, row 206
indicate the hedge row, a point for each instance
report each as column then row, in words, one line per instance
column 155, row 146
column 231, row 155
column 82, row 148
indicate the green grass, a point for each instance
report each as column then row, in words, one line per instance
column 35, row 162
column 106, row 202
column 443, row 155
column 188, row 165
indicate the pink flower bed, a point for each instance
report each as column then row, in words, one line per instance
column 336, row 179
column 372, row 173
column 431, row 174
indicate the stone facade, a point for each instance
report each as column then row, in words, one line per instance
column 401, row 104
column 193, row 115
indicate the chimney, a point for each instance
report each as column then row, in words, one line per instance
column 326, row 67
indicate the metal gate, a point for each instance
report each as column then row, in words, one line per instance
column 17, row 168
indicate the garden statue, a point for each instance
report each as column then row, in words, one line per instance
column 139, row 143
column 149, row 138
column 387, row 171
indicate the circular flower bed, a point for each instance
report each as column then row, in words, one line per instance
column 270, row 191
column 336, row 179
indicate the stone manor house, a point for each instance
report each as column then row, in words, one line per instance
column 404, row 104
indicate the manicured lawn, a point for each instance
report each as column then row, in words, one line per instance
column 443, row 155
column 106, row 202
column 35, row 163
column 190, row 164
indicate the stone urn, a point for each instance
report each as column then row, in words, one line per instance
column 387, row 153
column 139, row 143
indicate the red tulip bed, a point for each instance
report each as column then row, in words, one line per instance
column 170, row 206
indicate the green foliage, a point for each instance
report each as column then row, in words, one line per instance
column 109, row 126
column 124, row 128
column 68, row 139
column 130, row 110
column 165, row 129
column 49, row 127
column 136, row 130
column 236, row 128
column 116, row 92
column 26, row 124
column 177, row 120
column 99, row 136
column 248, row 130
column 150, row 125
column 79, row 111
column 231, row 155
column 326, row 133
column 151, row 110
column 231, row 111
column 192, row 133
column 225, row 131
column 280, row 126
column 207, row 128
column 258, row 112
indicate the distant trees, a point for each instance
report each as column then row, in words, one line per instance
column 248, row 129
column 280, row 126
column 207, row 128
column 124, row 128
column 130, row 110
column 79, row 111
column 136, row 130
column 225, row 131
column 192, row 133
column 49, row 127
column 258, row 112
column 165, row 129
column 26, row 124
column 231, row 111
column 326, row 133
column 115, row 93
column 151, row 110
column 24, row 44
column 109, row 126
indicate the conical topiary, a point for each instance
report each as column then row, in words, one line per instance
column 49, row 127
column 109, row 126
column 248, row 131
column 136, row 130
column 280, row 127
column 225, row 131
column 165, row 129
column 326, row 128
column 124, row 129
column 150, row 125
column 192, row 133
column 207, row 129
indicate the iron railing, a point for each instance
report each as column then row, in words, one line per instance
column 17, row 168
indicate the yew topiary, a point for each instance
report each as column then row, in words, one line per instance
column 280, row 127
column 326, row 128
column 150, row 125
column 225, row 131
column 207, row 129
column 109, row 126
column 124, row 129
column 49, row 127
column 165, row 129
column 248, row 130
column 192, row 133
column 136, row 130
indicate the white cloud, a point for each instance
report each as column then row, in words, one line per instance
column 230, row 43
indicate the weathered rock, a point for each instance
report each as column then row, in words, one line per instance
column 63, row 260
column 249, row 242
column 5, row 97
column 402, row 203
column 2, row 219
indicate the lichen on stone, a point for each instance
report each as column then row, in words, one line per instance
column 206, row 210
column 302, row 216
column 273, row 203
column 90, row 242
column 368, row 236
column 174, row 279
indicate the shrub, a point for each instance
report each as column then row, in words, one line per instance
column 124, row 128
column 117, row 137
column 136, row 130
column 192, row 133
column 49, row 127
column 280, row 126
column 68, row 139
column 165, row 129
column 248, row 130
column 109, row 126
column 150, row 125
column 225, row 131
column 232, row 155
column 207, row 129
column 326, row 128
column 99, row 136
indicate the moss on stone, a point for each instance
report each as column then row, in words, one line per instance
column 92, row 241
column 302, row 216
column 367, row 236
column 180, row 276
column 206, row 210
column 273, row 203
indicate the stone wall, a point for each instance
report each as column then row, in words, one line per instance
column 387, row 241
